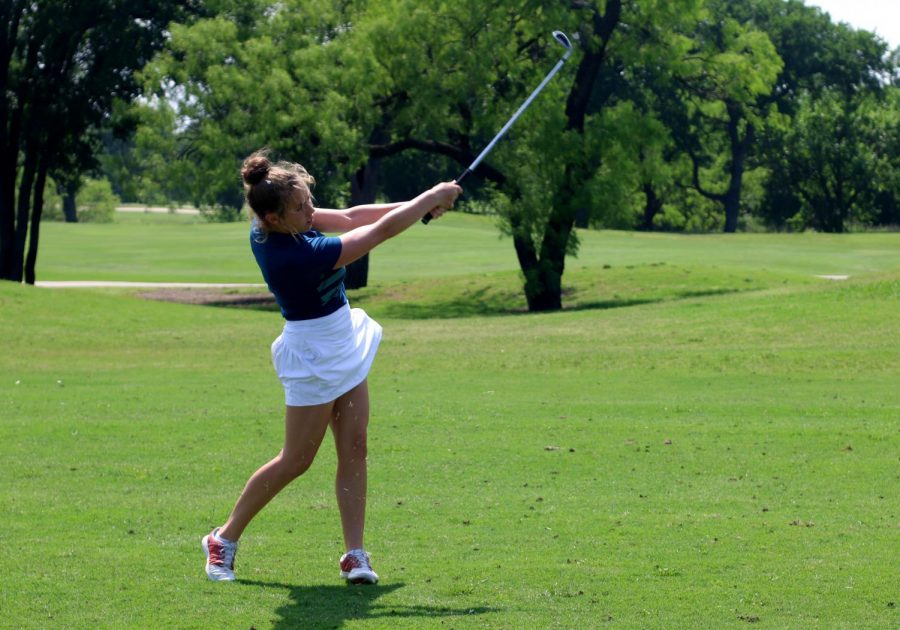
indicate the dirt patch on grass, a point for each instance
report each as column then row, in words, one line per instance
column 212, row 297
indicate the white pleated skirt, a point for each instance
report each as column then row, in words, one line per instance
column 318, row 360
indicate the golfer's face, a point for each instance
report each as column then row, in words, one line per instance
column 300, row 217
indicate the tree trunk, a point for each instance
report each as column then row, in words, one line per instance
column 37, row 208
column 24, row 201
column 539, row 281
column 357, row 273
column 9, row 149
column 70, row 193
column 652, row 206
column 740, row 146
column 739, row 149
column 363, row 188
column 543, row 288
column 542, row 284
column 732, row 207
column 7, row 223
column 543, row 280
column 583, row 218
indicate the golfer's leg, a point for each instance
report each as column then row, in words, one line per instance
column 304, row 428
column 349, row 425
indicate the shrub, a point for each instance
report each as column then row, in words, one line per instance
column 96, row 202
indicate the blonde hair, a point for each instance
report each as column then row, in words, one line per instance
column 273, row 187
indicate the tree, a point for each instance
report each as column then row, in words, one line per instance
column 821, row 60
column 557, row 177
column 884, row 119
column 719, row 103
column 61, row 66
column 452, row 90
column 843, row 160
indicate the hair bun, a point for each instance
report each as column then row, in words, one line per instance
column 255, row 168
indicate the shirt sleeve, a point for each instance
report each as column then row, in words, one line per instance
column 326, row 250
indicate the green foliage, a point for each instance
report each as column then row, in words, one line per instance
column 96, row 202
column 53, row 203
column 467, row 76
column 223, row 214
column 143, row 168
column 266, row 80
column 840, row 160
column 653, row 123
column 883, row 130
column 688, row 211
column 822, row 60
column 722, row 83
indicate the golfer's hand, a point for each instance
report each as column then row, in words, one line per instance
column 445, row 195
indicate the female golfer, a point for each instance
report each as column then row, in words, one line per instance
column 326, row 348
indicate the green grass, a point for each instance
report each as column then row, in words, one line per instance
column 707, row 438
column 178, row 248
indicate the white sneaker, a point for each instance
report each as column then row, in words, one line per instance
column 219, row 557
column 356, row 568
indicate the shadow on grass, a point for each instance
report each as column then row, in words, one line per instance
column 479, row 303
column 622, row 303
column 471, row 305
column 334, row 605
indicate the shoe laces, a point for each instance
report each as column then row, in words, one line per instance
column 229, row 549
column 362, row 558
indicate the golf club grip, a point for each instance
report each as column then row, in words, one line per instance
column 427, row 218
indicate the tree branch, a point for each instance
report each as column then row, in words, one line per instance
column 696, row 179
column 603, row 25
column 462, row 156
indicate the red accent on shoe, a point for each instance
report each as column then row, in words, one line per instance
column 349, row 562
column 216, row 552
column 356, row 568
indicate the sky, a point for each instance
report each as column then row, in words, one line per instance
column 881, row 16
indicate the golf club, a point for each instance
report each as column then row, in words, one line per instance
column 562, row 39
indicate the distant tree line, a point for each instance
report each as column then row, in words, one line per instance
column 691, row 115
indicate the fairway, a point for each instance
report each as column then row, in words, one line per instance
column 707, row 437
column 173, row 248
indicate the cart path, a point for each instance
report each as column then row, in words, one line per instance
column 89, row 284
column 157, row 210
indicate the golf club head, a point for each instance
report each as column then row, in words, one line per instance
column 564, row 40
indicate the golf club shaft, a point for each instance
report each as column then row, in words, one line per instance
column 506, row 127
column 515, row 117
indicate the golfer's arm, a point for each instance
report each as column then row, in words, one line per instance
column 328, row 220
column 361, row 240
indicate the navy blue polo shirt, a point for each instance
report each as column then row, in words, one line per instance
column 300, row 272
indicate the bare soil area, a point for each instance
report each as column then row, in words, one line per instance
column 212, row 297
